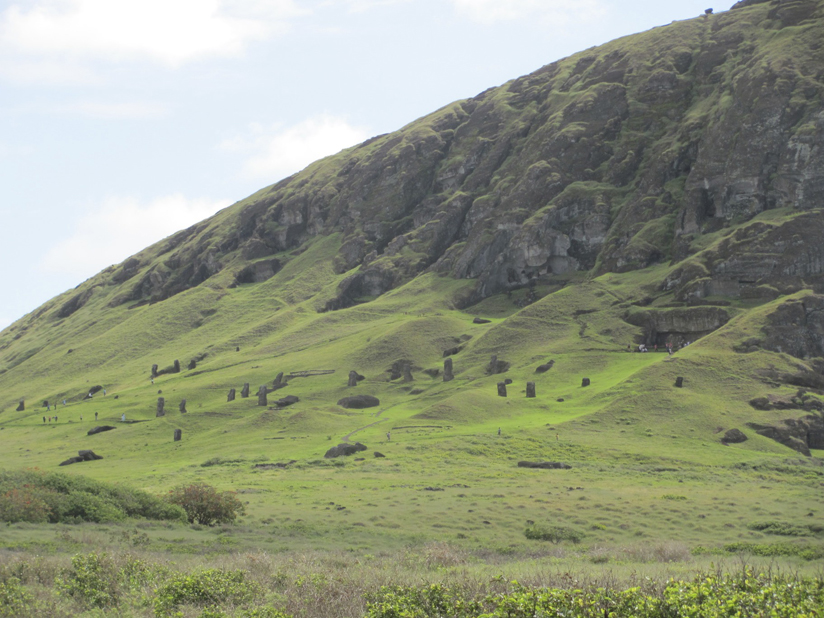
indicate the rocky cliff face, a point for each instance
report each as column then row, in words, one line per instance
column 697, row 144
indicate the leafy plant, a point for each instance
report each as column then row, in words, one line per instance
column 203, row 504
column 553, row 534
column 209, row 588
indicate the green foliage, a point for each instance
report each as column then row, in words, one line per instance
column 782, row 528
column 14, row 600
column 91, row 580
column 208, row 588
column 554, row 534
column 771, row 550
column 205, row 505
column 23, row 505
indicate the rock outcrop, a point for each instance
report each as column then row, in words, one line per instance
column 342, row 450
column 798, row 434
column 359, row 402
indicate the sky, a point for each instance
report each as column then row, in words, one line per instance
column 123, row 121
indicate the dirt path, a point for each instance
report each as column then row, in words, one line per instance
column 377, row 414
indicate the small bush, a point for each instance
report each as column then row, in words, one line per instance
column 23, row 505
column 92, row 580
column 205, row 505
column 554, row 534
column 783, row 528
column 208, row 588
column 14, row 600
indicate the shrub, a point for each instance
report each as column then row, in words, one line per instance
column 207, row 588
column 14, row 600
column 554, row 534
column 92, row 580
column 23, row 505
column 203, row 504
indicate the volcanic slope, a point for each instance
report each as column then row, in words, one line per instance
column 663, row 188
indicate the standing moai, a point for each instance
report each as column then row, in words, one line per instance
column 231, row 395
column 353, row 378
column 501, row 389
column 192, row 364
column 447, row 370
column 407, row 372
column 21, row 406
column 585, row 382
column 178, row 435
column 530, row 389
column 278, row 382
column 679, row 382
column 182, row 407
column 154, row 371
column 161, row 403
column 244, row 392
column 492, row 368
column 262, row 400
column 176, row 367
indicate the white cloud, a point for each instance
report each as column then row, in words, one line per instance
column 171, row 32
column 553, row 12
column 276, row 152
column 120, row 227
column 128, row 109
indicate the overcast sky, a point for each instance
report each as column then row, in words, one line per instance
column 122, row 121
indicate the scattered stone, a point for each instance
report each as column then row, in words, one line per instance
column 99, row 429
column 546, row 465
column 154, row 371
column 480, row 321
column 192, row 364
column 244, row 392
column 182, row 407
column 178, row 435
column 679, row 382
column 274, row 466
column 354, row 378
column 159, row 392
column 585, row 382
column 447, row 370
column 501, row 389
column 176, row 368
column 161, row 403
column 262, row 398
column 545, row 367
column 286, row 401
column 81, row 456
column 560, row 400
column 379, row 454
column 434, row 489
column 359, row 402
column 21, row 406
column 530, row 389
column 231, row 395
column 734, row 436
column 342, row 450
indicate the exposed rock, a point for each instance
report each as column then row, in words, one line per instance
column 452, row 351
column 286, row 401
column 401, row 369
column 92, row 392
column 797, row 327
column 530, row 389
column 178, row 435
column 447, row 370
column 262, row 396
column 231, row 395
column 99, row 429
column 679, row 325
column 21, row 406
column 501, row 389
column 81, row 456
column 585, row 382
column 257, row 272
column 354, row 378
column 161, row 403
column 432, row 373
column 359, row 402
column 545, row 367
column 496, row 366
column 734, row 436
column 481, row 321
column 344, row 449
column 182, row 406
column 679, row 382
column 761, row 403
column 244, row 392
column 547, row 465
column 798, row 434
column 192, row 364
column 379, row 454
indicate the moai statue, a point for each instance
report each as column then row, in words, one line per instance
column 585, row 382
column 262, row 400
column 447, row 370
column 501, row 389
column 192, row 364
column 21, row 406
column 178, row 435
column 278, row 382
column 530, row 389
column 244, row 392
column 161, row 403
column 492, row 367
column 177, row 366
column 407, row 372
column 154, row 371
column 353, row 378
column 231, row 395
column 182, row 407
column 679, row 382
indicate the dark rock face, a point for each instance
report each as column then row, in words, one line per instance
column 258, row 272
column 286, row 401
column 530, row 389
column 797, row 328
column 182, row 407
column 262, row 396
column 481, row 321
column 496, row 366
column 401, row 369
column 546, row 465
column 501, row 389
column 585, row 382
column 679, row 382
column 677, row 326
column 231, row 395
column 798, row 434
column 359, row 402
column 734, row 436
column 178, row 435
column 21, row 406
column 99, row 429
column 545, row 367
column 447, row 370
column 161, row 410
column 342, row 450
column 244, row 392
column 81, row 456
column 354, row 378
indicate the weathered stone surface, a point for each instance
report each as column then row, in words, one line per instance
column 21, row 406
column 798, row 434
column 447, row 370
column 734, row 436
column 154, row 371
column 679, row 325
column 354, row 378
column 679, row 382
column 545, row 367
column 359, row 402
column 99, row 429
column 480, row 321
column 92, row 391
column 496, row 366
column 796, row 327
column 182, row 407
column 379, row 454
column 192, row 364
column 231, row 395
column 258, row 272
column 342, row 450
column 287, row 401
column 262, row 396
column 278, row 382
column 84, row 455
column 547, row 465
column 178, row 435
column 585, row 382
column 161, row 407
column 407, row 372
column 501, row 389
column 244, row 392
column 176, row 366
column 530, row 389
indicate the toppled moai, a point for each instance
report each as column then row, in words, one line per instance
column 501, row 389
column 231, row 395
column 447, row 370
column 530, row 389
column 161, row 403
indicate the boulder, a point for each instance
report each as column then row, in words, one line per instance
column 546, row 465
column 99, row 429
column 508, row 381
column 81, row 456
column 447, row 370
column 501, row 389
column 359, row 402
column 178, row 435
column 761, row 403
column 231, row 395
column 530, row 389
column 734, row 436
column 21, row 406
column 262, row 398
column 480, row 321
column 344, row 449
column 679, row 382
column 354, row 378
column 161, row 404
column 286, row 401
column 182, row 407
column 545, row 367
column 585, row 382
column 244, row 392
